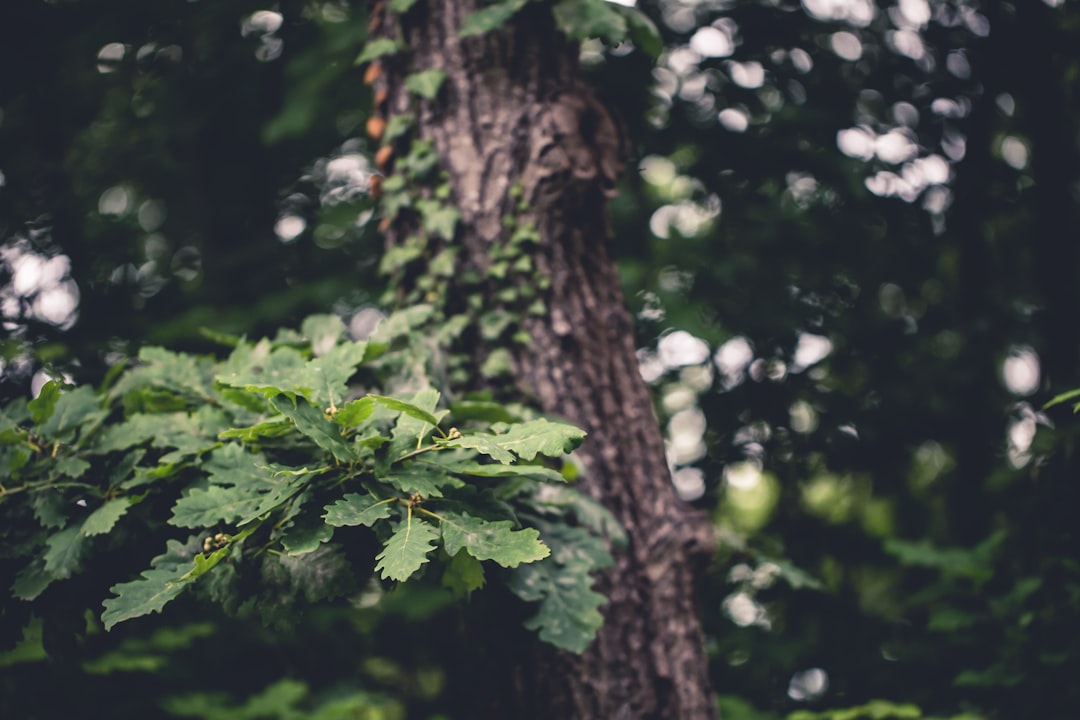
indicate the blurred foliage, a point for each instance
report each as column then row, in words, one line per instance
column 850, row 246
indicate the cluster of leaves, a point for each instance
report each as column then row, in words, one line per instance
column 577, row 19
column 266, row 461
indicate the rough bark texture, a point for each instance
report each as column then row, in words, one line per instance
column 515, row 111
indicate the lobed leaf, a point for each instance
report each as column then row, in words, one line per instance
column 463, row 574
column 102, row 520
column 148, row 594
column 568, row 615
column 525, row 441
column 406, row 550
column 311, row 422
column 357, row 509
column 491, row 540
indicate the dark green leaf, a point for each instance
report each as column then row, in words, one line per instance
column 407, row 408
column 313, row 423
column 41, row 407
column 583, row 19
column 568, row 615
column 73, row 408
column 356, row 509
column 464, row 573
column 65, row 550
column 491, row 540
column 32, row 580
column 425, row 479
column 490, row 18
column 102, row 520
column 148, row 594
column 643, row 32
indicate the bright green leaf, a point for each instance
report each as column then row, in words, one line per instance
column 406, row 550
column 354, row 413
column 525, row 440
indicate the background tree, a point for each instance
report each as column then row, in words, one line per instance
column 845, row 244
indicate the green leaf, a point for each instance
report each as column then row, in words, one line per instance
column 206, row 507
column 401, row 322
column 439, row 219
column 102, row 520
column 397, row 126
column 426, row 83
column 475, row 469
column 32, row 581
column 568, row 615
column 311, row 422
column 525, row 440
column 354, row 413
column 481, row 410
column 149, row 594
column 490, row 18
column 357, row 509
column 73, row 409
column 242, row 487
column 1062, row 398
column 463, row 574
column 643, row 32
column 274, row 427
column 72, row 467
column 407, row 408
column 491, row 540
column 305, row 535
column 64, row 551
column 583, row 19
column 377, row 48
column 323, row 331
column 422, row 478
column 411, row 427
column 401, row 6
column 406, row 550
column 177, row 430
column 41, row 407
column 262, row 368
column 183, row 374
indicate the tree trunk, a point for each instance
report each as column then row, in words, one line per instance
column 521, row 135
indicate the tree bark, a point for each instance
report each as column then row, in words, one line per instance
column 521, row 134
